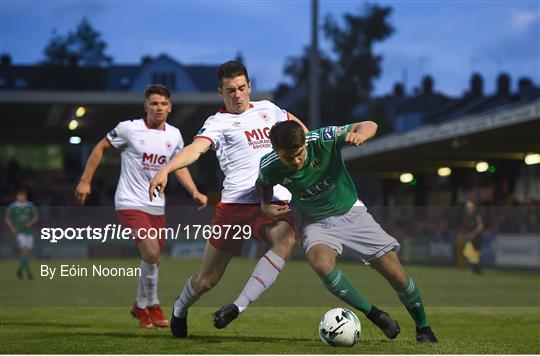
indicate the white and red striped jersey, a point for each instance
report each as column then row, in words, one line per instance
column 240, row 140
column 143, row 152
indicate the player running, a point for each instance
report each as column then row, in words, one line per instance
column 239, row 135
column 311, row 167
column 145, row 145
column 21, row 216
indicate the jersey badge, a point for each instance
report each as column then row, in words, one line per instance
column 286, row 181
column 265, row 117
column 201, row 131
column 113, row 133
column 316, row 164
column 328, row 134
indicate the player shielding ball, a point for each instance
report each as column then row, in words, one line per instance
column 239, row 135
column 21, row 216
column 311, row 167
column 145, row 145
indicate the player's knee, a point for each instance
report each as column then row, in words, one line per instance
column 151, row 257
column 323, row 267
column 289, row 241
column 285, row 245
column 283, row 239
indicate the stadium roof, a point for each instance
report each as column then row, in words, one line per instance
column 42, row 117
column 506, row 134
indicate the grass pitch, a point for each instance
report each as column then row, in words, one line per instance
column 498, row 312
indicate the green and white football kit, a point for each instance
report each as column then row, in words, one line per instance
column 325, row 195
column 332, row 215
column 21, row 213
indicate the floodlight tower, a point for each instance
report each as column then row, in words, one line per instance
column 314, row 121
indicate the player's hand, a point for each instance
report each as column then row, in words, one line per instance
column 82, row 191
column 157, row 185
column 200, row 199
column 353, row 139
column 275, row 211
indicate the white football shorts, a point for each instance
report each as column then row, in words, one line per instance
column 356, row 230
column 25, row 241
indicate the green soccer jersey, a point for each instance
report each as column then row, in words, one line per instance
column 20, row 214
column 322, row 187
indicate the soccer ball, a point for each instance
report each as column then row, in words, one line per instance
column 339, row 327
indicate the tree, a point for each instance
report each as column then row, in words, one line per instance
column 347, row 75
column 84, row 48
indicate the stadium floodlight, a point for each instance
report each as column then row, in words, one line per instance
column 73, row 124
column 74, row 140
column 444, row 171
column 532, row 158
column 81, row 110
column 482, row 167
column 406, row 177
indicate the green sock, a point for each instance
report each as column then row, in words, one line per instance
column 23, row 263
column 412, row 299
column 339, row 285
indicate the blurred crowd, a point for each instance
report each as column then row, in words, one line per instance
column 435, row 222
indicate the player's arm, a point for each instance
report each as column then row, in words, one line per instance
column 266, row 192
column 184, row 177
column 294, row 118
column 9, row 223
column 360, row 132
column 83, row 189
column 189, row 155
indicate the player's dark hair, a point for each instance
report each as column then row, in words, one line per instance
column 159, row 89
column 287, row 134
column 231, row 69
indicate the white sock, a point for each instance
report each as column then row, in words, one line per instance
column 187, row 298
column 141, row 300
column 149, row 279
column 264, row 275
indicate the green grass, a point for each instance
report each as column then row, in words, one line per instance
column 496, row 313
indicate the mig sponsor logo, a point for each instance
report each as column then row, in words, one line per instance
column 259, row 138
column 153, row 161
